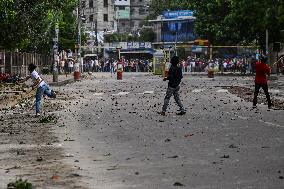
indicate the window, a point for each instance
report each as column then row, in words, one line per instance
column 141, row 11
column 105, row 3
column 105, row 17
column 91, row 17
column 132, row 11
column 91, row 3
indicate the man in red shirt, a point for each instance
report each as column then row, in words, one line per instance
column 262, row 71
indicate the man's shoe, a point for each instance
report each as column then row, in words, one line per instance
column 162, row 113
column 254, row 106
column 181, row 113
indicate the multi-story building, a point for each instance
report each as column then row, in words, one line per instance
column 100, row 13
column 138, row 13
column 123, row 16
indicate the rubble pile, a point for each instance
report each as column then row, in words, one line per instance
column 11, row 94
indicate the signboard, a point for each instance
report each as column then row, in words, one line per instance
column 135, row 45
column 122, row 2
column 129, row 45
column 177, row 14
column 141, row 45
column 123, row 14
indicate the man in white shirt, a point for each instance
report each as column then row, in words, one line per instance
column 40, row 85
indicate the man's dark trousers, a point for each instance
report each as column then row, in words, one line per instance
column 256, row 91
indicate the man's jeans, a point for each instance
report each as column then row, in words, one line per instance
column 172, row 91
column 41, row 91
column 256, row 91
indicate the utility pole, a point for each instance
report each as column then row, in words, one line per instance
column 266, row 42
column 55, row 52
column 77, row 64
column 97, row 44
column 176, row 53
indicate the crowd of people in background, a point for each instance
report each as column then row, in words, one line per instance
column 237, row 64
column 244, row 64
column 110, row 65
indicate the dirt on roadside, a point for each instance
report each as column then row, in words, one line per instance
column 30, row 150
column 247, row 94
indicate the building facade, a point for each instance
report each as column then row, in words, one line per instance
column 138, row 13
column 100, row 14
column 122, row 16
column 111, row 16
column 173, row 27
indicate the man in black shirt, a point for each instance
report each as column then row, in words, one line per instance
column 174, row 77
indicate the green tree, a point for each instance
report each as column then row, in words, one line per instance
column 212, row 22
column 29, row 25
column 252, row 18
column 68, row 27
column 231, row 22
column 147, row 34
column 158, row 6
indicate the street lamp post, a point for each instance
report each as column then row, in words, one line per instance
column 55, row 53
column 176, row 44
column 97, row 43
column 77, row 64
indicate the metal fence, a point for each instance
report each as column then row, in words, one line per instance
column 16, row 63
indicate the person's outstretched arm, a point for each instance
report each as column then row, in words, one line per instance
column 23, row 80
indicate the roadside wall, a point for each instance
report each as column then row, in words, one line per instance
column 17, row 62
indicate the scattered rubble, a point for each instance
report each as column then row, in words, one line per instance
column 247, row 94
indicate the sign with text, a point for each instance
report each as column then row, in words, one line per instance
column 128, row 45
column 177, row 14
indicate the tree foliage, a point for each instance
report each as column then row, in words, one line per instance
column 29, row 25
column 231, row 22
column 158, row 6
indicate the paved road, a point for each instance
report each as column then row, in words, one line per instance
column 114, row 137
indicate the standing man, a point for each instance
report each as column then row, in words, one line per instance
column 174, row 77
column 262, row 71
